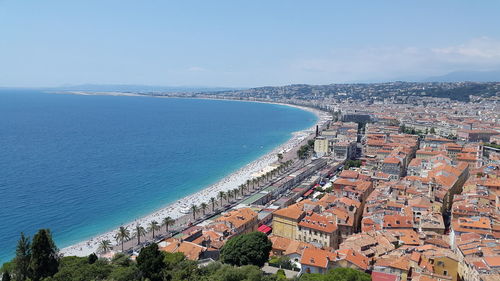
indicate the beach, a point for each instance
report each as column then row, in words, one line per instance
column 229, row 182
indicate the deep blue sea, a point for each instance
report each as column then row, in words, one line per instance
column 83, row 165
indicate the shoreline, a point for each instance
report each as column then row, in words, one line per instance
column 236, row 178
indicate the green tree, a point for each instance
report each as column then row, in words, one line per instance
column 194, row 210
column 203, row 207
column 167, row 222
column 213, row 201
column 150, row 262
column 153, row 226
column 128, row 273
column 280, row 157
column 139, row 231
column 92, row 258
column 6, row 276
column 247, row 249
column 22, row 259
column 104, row 246
column 122, row 235
column 432, row 131
column 121, row 259
column 338, row 274
column 44, row 259
column 78, row 269
column 221, row 195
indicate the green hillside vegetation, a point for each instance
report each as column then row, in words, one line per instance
column 241, row 259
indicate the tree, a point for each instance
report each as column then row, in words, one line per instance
column 229, row 195
column 125, row 273
column 122, row 235
column 153, row 226
column 168, row 221
column 92, row 258
column 433, row 130
column 222, row 195
column 6, row 276
column 194, row 210
column 44, row 259
column 150, row 262
column 22, row 259
column 247, row 249
column 139, row 231
column 203, row 207
column 212, row 200
column 104, row 246
column 338, row 274
column 280, row 157
column 352, row 163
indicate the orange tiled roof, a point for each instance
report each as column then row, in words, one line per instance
column 238, row 217
column 292, row 212
column 317, row 257
column 319, row 222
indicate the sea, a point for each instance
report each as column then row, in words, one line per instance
column 83, row 165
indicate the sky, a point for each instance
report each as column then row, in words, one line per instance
column 242, row 43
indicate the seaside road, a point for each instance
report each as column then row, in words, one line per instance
column 186, row 221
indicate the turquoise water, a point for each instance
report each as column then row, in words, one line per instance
column 83, row 165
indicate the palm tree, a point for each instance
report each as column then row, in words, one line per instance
column 194, row 208
column 242, row 190
column 153, row 226
column 203, row 207
column 139, row 231
column 104, row 246
column 122, row 235
column 280, row 157
column 236, row 192
column 212, row 200
column 248, row 183
column 253, row 182
column 168, row 221
column 222, row 195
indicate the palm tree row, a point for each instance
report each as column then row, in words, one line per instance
column 123, row 234
column 242, row 189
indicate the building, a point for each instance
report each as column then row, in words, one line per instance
column 286, row 220
column 319, row 230
column 241, row 221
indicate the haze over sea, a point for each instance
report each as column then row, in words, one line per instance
column 83, row 165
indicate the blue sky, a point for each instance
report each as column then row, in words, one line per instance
column 242, row 43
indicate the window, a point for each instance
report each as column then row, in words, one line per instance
column 445, row 272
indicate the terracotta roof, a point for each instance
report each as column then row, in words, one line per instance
column 238, row 217
column 354, row 257
column 349, row 174
column 397, row 221
column 380, row 276
column 492, row 261
column 191, row 250
column 394, row 262
column 317, row 257
column 292, row 212
column 318, row 222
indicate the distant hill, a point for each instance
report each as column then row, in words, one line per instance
column 472, row 76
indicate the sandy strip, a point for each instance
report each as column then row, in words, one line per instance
column 232, row 181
